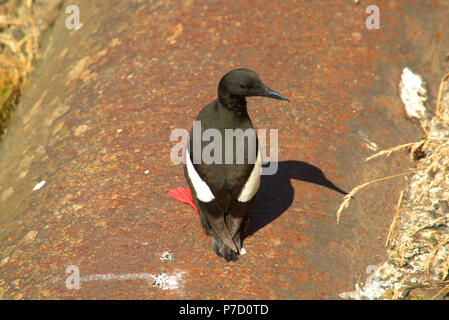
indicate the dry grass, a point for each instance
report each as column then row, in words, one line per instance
column 388, row 152
column 432, row 174
column 350, row 195
column 395, row 220
column 437, row 155
column 430, row 224
column 433, row 253
column 438, row 112
column 17, row 54
column 442, row 292
column 397, row 291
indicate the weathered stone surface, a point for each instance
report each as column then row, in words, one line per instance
column 104, row 99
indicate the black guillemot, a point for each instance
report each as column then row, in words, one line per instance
column 223, row 191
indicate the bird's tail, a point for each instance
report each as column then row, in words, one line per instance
column 229, row 254
column 226, row 251
column 223, row 250
column 221, row 232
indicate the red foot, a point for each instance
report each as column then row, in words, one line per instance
column 183, row 195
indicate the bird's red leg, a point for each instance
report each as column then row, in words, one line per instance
column 183, row 195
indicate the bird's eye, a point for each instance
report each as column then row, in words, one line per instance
column 243, row 86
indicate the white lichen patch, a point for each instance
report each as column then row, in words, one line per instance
column 167, row 256
column 369, row 144
column 413, row 94
column 39, row 185
column 166, row 281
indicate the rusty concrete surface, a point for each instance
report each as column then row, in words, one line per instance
column 102, row 104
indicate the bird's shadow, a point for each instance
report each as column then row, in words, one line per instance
column 276, row 193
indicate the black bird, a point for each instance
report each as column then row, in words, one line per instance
column 223, row 189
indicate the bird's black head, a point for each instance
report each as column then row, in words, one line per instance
column 240, row 83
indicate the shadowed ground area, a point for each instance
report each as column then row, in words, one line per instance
column 276, row 193
column 95, row 125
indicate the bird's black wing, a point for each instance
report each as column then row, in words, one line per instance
column 225, row 184
column 225, row 181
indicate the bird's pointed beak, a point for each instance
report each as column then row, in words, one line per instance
column 272, row 94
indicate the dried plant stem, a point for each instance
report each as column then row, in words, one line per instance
column 395, row 220
column 6, row 20
column 446, row 270
column 397, row 291
column 434, row 252
column 434, row 183
column 413, row 145
column 348, row 197
column 388, row 152
column 430, row 224
column 440, row 93
column 440, row 292
column 423, row 127
column 401, row 248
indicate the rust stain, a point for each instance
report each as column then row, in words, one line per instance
column 123, row 83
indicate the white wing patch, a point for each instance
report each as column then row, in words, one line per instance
column 252, row 184
column 202, row 190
